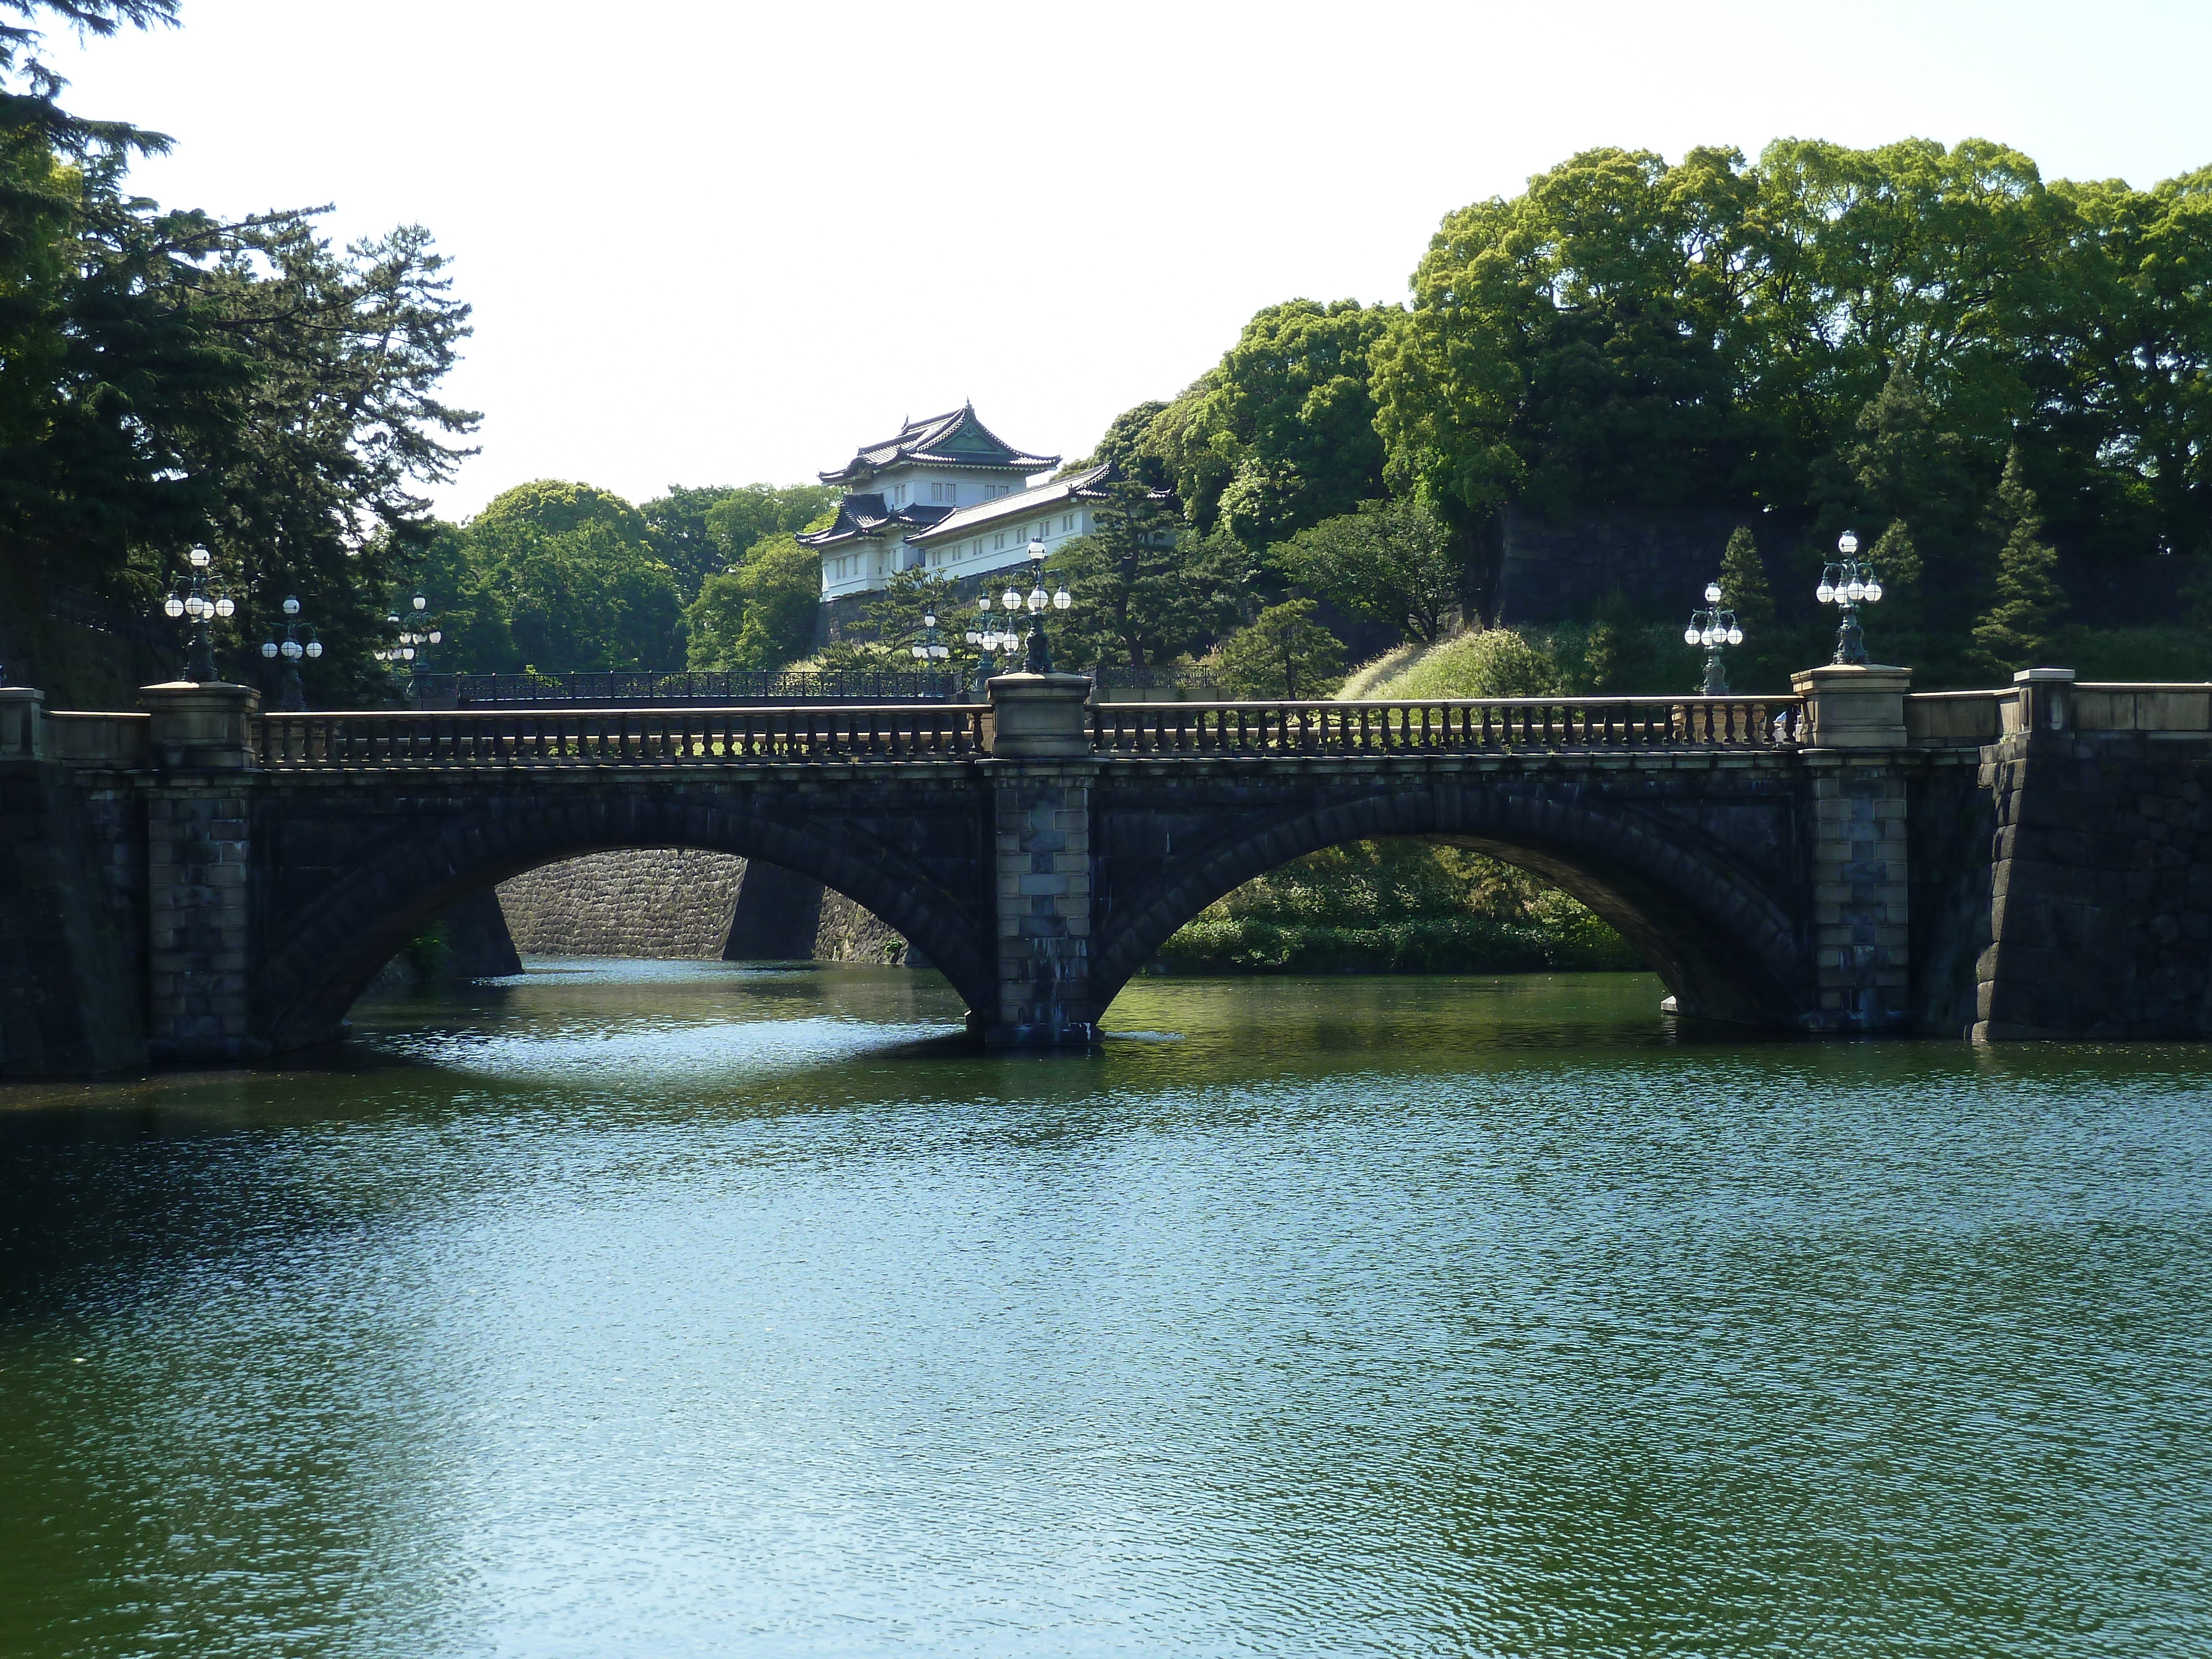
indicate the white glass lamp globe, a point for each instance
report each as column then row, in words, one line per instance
column 1689, row 636
column 292, row 650
column 1062, row 599
column 918, row 650
column 929, row 619
column 407, row 653
column 1735, row 637
column 1847, row 543
column 314, row 648
column 172, row 606
column 982, row 601
column 1011, row 598
column 1873, row 592
column 268, row 647
column 1854, row 591
column 1712, row 592
column 225, row 606
column 420, row 604
column 201, row 558
column 291, row 606
column 1824, row 593
column 1037, row 549
column 437, row 637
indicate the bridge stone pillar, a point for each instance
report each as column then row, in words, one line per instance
column 22, row 723
column 1041, row 773
column 1855, row 740
column 199, row 838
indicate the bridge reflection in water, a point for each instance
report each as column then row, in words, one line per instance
column 1851, row 857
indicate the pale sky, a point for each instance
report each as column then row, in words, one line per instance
column 718, row 243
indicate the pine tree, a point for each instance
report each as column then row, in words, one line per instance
column 1744, row 590
column 2015, row 630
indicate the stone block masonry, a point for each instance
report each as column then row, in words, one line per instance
column 661, row 902
column 676, row 904
column 2100, row 889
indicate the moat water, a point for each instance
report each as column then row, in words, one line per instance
column 679, row 1309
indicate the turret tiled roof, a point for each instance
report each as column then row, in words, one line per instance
column 865, row 516
column 955, row 439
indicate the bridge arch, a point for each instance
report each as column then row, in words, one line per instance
column 1724, row 944
column 324, row 950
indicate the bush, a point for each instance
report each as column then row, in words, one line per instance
column 1497, row 662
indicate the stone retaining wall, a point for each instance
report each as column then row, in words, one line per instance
column 662, row 901
column 673, row 904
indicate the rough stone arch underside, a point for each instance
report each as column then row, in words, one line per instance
column 324, row 954
column 1723, row 944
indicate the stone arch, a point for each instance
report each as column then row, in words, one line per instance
column 328, row 951
column 1726, row 946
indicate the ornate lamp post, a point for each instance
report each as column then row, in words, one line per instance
column 299, row 641
column 414, row 640
column 1039, row 660
column 989, row 639
column 929, row 646
column 1848, row 584
column 1716, row 630
column 201, row 600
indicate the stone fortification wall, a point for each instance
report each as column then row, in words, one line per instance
column 662, row 901
column 2100, row 892
column 1560, row 570
column 673, row 904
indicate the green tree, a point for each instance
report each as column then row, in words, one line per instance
column 1280, row 434
column 1125, row 445
column 1285, row 653
column 1761, row 659
column 1390, row 561
column 676, row 529
column 1140, row 597
column 760, row 614
column 2013, row 633
column 746, row 516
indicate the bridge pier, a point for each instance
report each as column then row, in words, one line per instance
column 199, row 848
column 1859, row 848
column 1040, row 776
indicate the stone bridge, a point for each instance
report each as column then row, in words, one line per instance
column 202, row 880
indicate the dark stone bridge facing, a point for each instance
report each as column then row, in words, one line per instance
column 202, row 881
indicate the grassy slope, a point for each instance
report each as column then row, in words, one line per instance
column 1402, row 906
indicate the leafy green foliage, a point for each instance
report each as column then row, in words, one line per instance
column 1285, row 653
column 1143, row 593
column 554, row 576
column 747, row 515
column 1493, row 662
column 1858, row 333
column 173, row 380
column 760, row 614
column 1390, row 561
column 1395, row 907
column 1280, row 434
